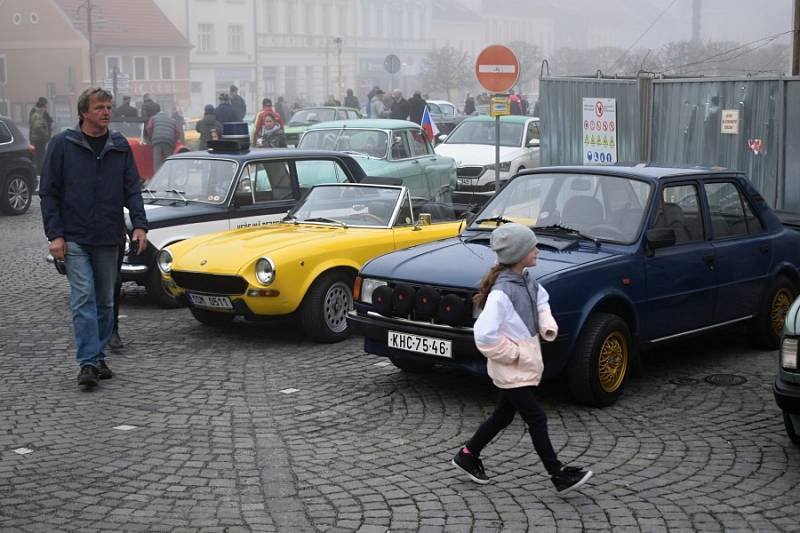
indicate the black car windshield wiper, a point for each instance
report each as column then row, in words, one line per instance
column 325, row 219
column 179, row 193
column 558, row 229
column 151, row 192
column 289, row 218
column 498, row 219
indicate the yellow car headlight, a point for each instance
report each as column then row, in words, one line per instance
column 368, row 286
column 165, row 261
column 789, row 353
column 265, row 271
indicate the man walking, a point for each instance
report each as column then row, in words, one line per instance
column 126, row 110
column 40, row 130
column 238, row 104
column 163, row 133
column 89, row 176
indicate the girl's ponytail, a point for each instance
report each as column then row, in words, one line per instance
column 487, row 283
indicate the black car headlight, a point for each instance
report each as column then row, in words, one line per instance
column 265, row 271
column 368, row 287
column 165, row 261
column 789, row 353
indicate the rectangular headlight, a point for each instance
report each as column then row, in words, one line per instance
column 789, row 353
column 368, row 286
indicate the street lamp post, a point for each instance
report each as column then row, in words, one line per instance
column 89, row 7
column 338, row 41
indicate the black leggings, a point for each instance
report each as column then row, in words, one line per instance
column 523, row 401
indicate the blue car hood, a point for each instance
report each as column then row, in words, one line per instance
column 463, row 261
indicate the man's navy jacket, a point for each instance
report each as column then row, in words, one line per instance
column 83, row 194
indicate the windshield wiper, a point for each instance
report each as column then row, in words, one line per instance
column 179, row 193
column 498, row 219
column 558, row 228
column 325, row 219
column 289, row 218
column 150, row 192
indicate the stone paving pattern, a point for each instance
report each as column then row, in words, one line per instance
column 360, row 446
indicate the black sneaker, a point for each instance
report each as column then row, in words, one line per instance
column 87, row 376
column 570, row 477
column 115, row 343
column 103, row 372
column 472, row 466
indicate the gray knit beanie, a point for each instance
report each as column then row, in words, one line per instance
column 512, row 242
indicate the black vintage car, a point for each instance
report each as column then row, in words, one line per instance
column 17, row 171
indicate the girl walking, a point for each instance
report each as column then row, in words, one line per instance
column 516, row 312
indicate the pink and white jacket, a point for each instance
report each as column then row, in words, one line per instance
column 514, row 357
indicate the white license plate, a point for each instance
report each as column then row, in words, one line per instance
column 212, row 302
column 420, row 344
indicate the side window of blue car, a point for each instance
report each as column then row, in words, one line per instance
column 679, row 210
column 731, row 214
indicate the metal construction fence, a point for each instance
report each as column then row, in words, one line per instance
column 679, row 122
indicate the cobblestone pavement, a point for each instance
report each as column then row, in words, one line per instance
column 254, row 428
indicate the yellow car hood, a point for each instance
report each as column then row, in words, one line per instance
column 230, row 251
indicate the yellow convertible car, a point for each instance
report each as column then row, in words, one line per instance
column 305, row 264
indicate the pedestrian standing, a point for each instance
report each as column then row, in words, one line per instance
column 89, row 176
column 149, row 107
column 238, row 104
column 469, row 105
column 351, row 100
column 126, row 110
column 271, row 134
column 516, row 313
column 399, row 109
column 209, row 128
column 266, row 111
column 283, row 109
column 376, row 107
column 225, row 111
column 40, row 129
column 163, row 134
column 416, row 107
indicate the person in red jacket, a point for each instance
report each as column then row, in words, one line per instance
column 266, row 109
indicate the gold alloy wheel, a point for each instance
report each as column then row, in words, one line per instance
column 613, row 362
column 779, row 308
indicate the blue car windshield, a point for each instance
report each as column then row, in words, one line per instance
column 609, row 208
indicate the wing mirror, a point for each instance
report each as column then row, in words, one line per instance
column 660, row 238
column 441, row 137
column 533, row 143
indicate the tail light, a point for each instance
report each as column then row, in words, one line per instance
column 32, row 150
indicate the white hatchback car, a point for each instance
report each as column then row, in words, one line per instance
column 472, row 145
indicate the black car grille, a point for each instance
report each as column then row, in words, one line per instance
column 210, row 283
column 469, row 172
column 455, row 307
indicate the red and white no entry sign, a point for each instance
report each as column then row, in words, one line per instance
column 497, row 68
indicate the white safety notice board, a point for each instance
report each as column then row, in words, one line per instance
column 599, row 131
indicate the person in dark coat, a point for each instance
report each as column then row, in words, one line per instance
column 271, row 135
column 149, row 107
column 126, row 110
column 469, row 105
column 351, row 100
column 225, row 111
column 238, row 103
column 89, row 176
column 40, row 130
column 399, row 107
column 209, row 127
column 416, row 107
column 283, row 109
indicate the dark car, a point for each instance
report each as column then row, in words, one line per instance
column 17, row 171
column 632, row 257
column 787, row 383
column 196, row 193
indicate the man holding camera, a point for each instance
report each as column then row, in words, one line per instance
column 89, row 175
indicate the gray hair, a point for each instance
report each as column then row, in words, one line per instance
column 86, row 97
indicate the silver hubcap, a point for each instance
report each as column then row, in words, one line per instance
column 338, row 301
column 18, row 194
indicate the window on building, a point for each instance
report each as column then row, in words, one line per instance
column 291, row 15
column 113, row 62
column 3, row 76
column 205, row 38
column 168, row 68
column 270, row 79
column 140, row 68
column 269, row 16
column 326, row 19
column 309, row 80
column 235, row 38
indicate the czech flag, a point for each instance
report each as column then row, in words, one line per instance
column 429, row 125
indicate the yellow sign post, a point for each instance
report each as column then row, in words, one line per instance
column 499, row 106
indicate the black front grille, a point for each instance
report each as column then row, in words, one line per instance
column 469, row 172
column 210, row 283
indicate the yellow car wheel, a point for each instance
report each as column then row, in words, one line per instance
column 767, row 326
column 602, row 360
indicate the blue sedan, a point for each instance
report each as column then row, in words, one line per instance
column 632, row 257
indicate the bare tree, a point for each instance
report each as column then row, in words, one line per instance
column 445, row 69
column 529, row 57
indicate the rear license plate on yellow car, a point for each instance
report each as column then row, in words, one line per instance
column 211, row 302
column 420, row 344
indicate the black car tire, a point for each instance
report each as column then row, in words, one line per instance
column 324, row 310
column 599, row 368
column 212, row 318
column 410, row 366
column 787, row 423
column 16, row 194
column 767, row 326
column 158, row 293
